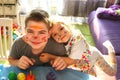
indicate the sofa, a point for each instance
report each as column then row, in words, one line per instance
column 103, row 27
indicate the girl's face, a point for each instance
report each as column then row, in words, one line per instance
column 36, row 34
column 60, row 32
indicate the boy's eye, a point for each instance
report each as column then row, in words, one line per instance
column 29, row 31
column 41, row 32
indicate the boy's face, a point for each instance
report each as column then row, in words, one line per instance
column 36, row 34
column 60, row 32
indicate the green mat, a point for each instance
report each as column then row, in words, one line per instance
column 84, row 28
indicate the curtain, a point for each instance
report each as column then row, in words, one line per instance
column 109, row 3
column 75, row 8
column 117, row 2
column 80, row 8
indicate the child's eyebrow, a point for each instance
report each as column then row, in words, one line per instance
column 29, row 29
column 43, row 31
column 36, row 27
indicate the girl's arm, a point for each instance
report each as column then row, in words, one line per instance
column 109, row 67
column 46, row 57
column 57, row 61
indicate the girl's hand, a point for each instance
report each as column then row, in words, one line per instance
column 25, row 62
column 59, row 63
column 45, row 57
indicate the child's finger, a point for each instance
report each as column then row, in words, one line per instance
column 42, row 55
column 58, row 61
column 51, row 62
column 28, row 60
column 33, row 60
column 55, row 62
column 61, row 65
column 23, row 65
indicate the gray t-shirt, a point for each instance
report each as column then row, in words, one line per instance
column 20, row 48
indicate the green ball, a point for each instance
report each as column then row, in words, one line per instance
column 12, row 76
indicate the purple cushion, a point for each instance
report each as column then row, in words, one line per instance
column 115, row 7
column 118, row 68
column 104, row 29
column 109, row 13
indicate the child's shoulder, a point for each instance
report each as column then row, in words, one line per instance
column 19, row 41
column 77, row 37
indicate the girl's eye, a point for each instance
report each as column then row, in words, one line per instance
column 54, row 35
column 61, row 28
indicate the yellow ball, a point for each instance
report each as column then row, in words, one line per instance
column 21, row 76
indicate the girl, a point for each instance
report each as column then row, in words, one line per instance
column 82, row 56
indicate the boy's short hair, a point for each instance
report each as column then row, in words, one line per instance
column 37, row 15
column 42, row 12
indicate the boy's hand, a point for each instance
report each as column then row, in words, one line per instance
column 25, row 62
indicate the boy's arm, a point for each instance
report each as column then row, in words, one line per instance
column 23, row 63
column 13, row 61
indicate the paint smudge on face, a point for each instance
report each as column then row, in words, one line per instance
column 26, row 38
column 44, row 39
column 36, row 27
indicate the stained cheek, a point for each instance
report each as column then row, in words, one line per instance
column 28, row 37
column 65, row 32
column 44, row 38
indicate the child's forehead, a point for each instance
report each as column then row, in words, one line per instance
column 37, row 25
column 55, row 26
column 58, row 24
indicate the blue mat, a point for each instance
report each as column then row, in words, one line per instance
column 45, row 73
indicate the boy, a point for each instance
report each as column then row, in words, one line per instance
column 26, row 50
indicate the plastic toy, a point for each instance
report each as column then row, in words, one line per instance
column 16, row 31
column 21, row 76
column 30, row 76
column 12, row 76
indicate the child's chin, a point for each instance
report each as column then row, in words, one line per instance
column 36, row 48
column 36, row 53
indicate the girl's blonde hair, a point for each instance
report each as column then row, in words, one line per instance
column 68, row 26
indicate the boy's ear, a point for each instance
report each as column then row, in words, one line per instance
column 48, row 35
column 50, row 32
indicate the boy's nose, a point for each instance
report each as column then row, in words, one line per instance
column 35, row 37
